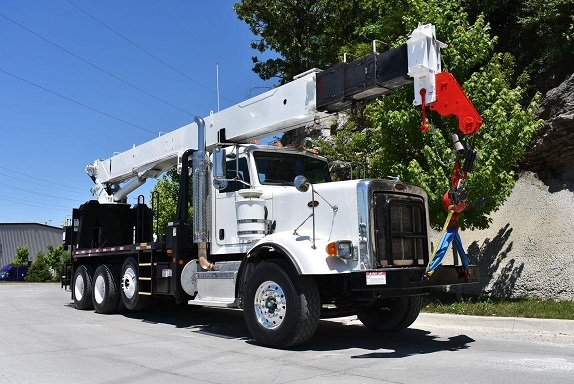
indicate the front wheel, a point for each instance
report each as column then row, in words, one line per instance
column 281, row 308
column 391, row 314
column 105, row 293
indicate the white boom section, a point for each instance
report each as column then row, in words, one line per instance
column 284, row 108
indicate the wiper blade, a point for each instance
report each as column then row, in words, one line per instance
column 279, row 182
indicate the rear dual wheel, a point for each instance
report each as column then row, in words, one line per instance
column 105, row 289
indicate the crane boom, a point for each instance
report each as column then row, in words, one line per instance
column 280, row 109
column 310, row 97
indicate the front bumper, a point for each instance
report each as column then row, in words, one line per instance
column 395, row 281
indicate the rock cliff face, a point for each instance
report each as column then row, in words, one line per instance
column 552, row 153
column 529, row 248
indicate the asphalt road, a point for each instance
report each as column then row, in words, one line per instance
column 43, row 339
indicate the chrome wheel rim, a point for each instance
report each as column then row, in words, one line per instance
column 270, row 305
column 129, row 283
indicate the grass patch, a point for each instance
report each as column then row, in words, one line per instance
column 444, row 302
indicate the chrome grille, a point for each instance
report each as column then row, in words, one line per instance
column 400, row 229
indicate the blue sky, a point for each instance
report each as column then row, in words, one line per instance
column 81, row 79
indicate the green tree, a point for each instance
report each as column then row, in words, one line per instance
column 21, row 259
column 426, row 159
column 538, row 33
column 164, row 197
column 548, row 27
column 54, row 259
column 22, row 256
column 386, row 137
column 299, row 34
column 39, row 271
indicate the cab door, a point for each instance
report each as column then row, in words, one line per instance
column 225, row 212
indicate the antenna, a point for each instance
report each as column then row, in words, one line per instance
column 217, row 83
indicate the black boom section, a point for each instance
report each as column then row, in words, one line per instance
column 362, row 80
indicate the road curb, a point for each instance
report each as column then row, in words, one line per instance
column 511, row 324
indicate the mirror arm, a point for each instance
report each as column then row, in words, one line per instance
column 302, row 184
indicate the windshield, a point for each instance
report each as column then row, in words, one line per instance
column 279, row 168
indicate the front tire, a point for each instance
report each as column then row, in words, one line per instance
column 281, row 308
column 82, row 288
column 105, row 292
column 392, row 314
column 130, row 294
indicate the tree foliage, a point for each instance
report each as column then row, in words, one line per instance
column 22, row 256
column 399, row 148
column 39, row 271
column 538, row 33
column 55, row 258
column 387, row 137
column 428, row 158
column 304, row 33
column 164, row 197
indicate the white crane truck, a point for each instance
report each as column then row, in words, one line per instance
column 271, row 233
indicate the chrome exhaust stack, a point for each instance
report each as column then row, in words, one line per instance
column 201, row 205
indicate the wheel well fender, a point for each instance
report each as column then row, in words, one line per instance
column 259, row 254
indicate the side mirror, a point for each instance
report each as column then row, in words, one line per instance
column 301, row 183
column 219, row 169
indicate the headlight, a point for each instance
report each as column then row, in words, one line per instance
column 342, row 249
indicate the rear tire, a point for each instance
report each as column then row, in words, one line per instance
column 130, row 294
column 392, row 314
column 82, row 288
column 105, row 292
column 281, row 308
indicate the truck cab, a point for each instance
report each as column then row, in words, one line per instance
column 254, row 174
